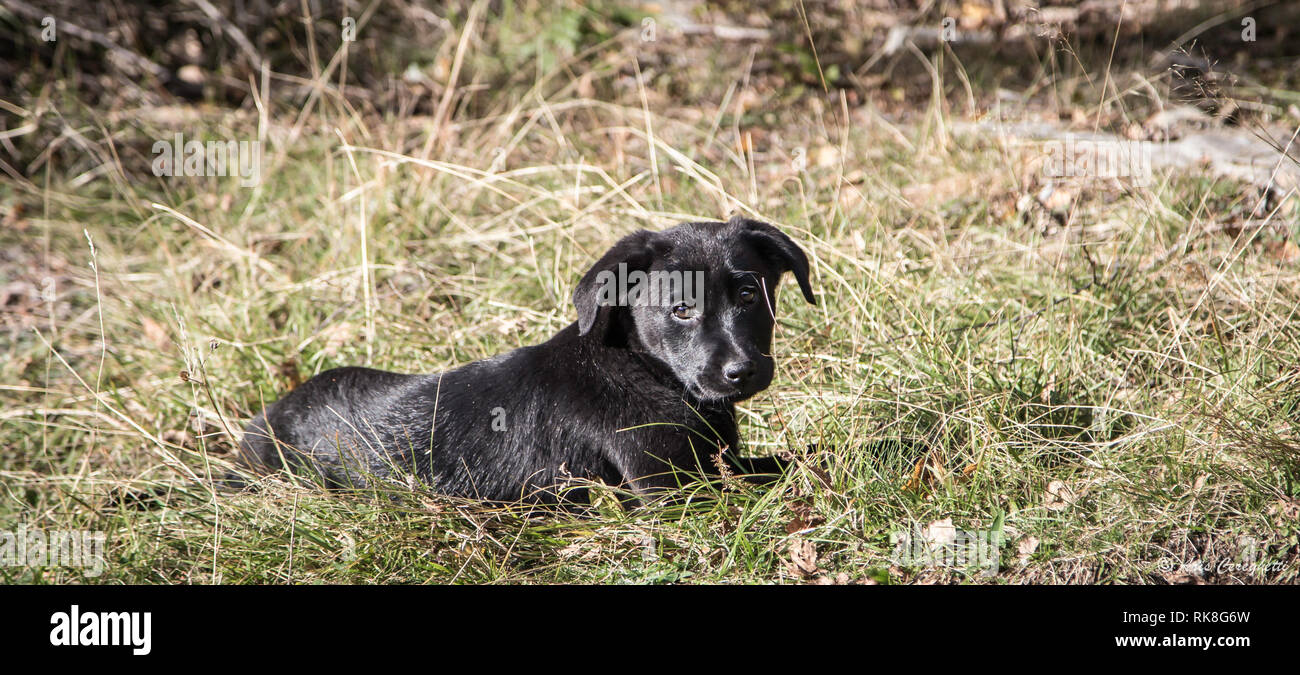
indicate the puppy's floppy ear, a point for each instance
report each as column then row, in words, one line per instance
column 636, row 250
column 779, row 248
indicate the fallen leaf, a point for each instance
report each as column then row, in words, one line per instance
column 914, row 482
column 803, row 558
column 940, row 533
column 1059, row 496
column 1026, row 548
column 805, row 516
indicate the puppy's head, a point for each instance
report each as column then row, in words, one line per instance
column 700, row 298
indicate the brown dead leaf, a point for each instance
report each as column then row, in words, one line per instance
column 805, row 516
column 914, row 482
column 1059, row 496
column 940, row 533
column 823, row 476
column 803, row 558
column 1026, row 548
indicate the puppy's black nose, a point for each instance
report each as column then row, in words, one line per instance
column 738, row 372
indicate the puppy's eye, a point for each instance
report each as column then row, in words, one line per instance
column 748, row 294
column 684, row 311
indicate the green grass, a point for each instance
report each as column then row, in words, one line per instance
column 962, row 363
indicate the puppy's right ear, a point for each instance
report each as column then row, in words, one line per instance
column 598, row 290
column 779, row 247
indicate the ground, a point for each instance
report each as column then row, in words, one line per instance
column 1096, row 374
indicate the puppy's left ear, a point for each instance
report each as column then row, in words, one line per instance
column 594, row 293
column 779, row 248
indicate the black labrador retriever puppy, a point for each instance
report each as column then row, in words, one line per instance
column 673, row 328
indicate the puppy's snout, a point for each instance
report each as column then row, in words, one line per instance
column 739, row 372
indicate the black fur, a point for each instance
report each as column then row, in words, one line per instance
column 631, row 395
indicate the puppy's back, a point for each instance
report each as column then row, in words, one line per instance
column 330, row 426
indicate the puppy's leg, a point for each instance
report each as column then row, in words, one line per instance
column 648, row 478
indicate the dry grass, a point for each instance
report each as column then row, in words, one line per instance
column 1106, row 388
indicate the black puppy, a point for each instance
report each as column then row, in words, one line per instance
column 639, row 389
